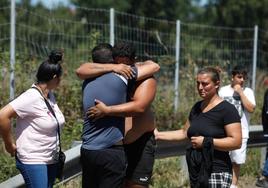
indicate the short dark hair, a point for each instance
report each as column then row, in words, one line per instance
column 124, row 49
column 50, row 67
column 102, row 53
column 239, row 69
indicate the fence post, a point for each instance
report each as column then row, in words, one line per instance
column 12, row 48
column 177, row 69
column 254, row 57
column 112, row 26
column 183, row 163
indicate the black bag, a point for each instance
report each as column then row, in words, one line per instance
column 61, row 156
column 61, row 161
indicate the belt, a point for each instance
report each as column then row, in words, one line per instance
column 120, row 143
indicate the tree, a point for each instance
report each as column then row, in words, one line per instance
column 161, row 9
column 246, row 13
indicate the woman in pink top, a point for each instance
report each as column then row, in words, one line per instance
column 37, row 142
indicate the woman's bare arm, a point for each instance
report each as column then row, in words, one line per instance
column 6, row 114
column 176, row 135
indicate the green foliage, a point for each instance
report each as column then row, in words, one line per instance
column 163, row 9
column 69, row 100
column 238, row 14
column 77, row 183
column 164, row 110
column 8, row 167
column 4, row 68
column 166, row 173
column 104, row 4
column 252, row 166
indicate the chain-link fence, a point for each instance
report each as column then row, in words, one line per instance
column 180, row 48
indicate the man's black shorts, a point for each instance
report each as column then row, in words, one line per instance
column 140, row 157
column 103, row 168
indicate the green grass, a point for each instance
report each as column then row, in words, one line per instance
column 167, row 174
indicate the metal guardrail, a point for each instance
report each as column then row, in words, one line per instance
column 165, row 149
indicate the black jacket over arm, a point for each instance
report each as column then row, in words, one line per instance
column 200, row 163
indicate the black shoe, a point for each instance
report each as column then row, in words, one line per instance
column 262, row 182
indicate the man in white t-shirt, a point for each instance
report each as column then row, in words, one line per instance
column 243, row 99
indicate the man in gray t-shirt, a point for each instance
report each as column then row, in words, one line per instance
column 102, row 155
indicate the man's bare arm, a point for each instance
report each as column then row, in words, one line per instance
column 143, row 97
column 92, row 70
column 248, row 105
column 146, row 69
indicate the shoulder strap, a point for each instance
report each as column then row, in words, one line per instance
column 53, row 113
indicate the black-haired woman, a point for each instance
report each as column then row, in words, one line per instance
column 37, row 142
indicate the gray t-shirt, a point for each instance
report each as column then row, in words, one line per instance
column 111, row 89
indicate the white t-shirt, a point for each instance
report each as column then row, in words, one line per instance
column 228, row 94
column 36, row 127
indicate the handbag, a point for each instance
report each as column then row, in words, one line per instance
column 61, row 161
column 60, row 156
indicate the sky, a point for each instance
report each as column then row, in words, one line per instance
column 51, row 3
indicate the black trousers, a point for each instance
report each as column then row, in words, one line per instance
column 104, row 168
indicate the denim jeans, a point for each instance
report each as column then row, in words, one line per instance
column 37, row 175
column 265, row 168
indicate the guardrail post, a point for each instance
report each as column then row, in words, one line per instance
column 184, row 170
column 263, row 156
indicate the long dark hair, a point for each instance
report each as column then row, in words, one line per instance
column 50, row 67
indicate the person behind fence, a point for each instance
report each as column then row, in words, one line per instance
column 243, row 99
column 263, row 180
column 37, row 143
column 213, row 128
column 102, row 153
column 139, row 141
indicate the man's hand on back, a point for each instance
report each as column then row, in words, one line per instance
column 124, row 70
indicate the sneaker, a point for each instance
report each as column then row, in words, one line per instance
column 262, row 182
